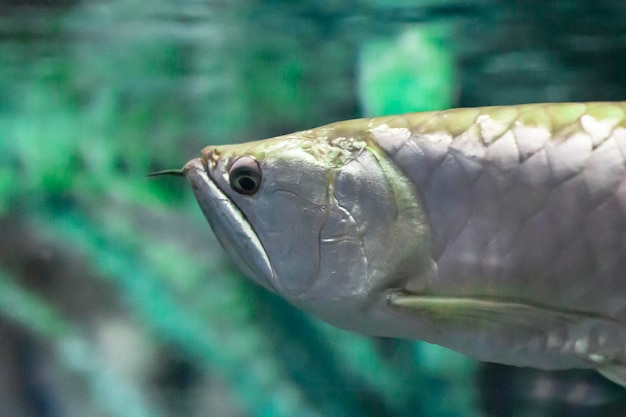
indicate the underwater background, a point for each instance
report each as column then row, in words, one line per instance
column 115, row 297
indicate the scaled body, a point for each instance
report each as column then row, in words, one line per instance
column 499, row 232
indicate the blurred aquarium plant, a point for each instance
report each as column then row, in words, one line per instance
column 414, row 71
column 115, row 298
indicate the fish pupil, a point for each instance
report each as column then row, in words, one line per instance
column 246, row 183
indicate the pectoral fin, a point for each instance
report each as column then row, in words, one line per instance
column 594, row 338
column 484, row 313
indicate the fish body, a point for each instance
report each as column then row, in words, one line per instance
column 499, row 232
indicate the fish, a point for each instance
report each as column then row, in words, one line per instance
column 498, row 232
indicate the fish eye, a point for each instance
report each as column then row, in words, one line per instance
column 244, row 175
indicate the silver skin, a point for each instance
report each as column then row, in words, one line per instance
column 498, row 232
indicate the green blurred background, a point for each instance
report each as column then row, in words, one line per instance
column 115, row 298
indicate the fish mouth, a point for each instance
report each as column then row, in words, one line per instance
column 230, row 225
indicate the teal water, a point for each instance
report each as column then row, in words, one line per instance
column 115, row 298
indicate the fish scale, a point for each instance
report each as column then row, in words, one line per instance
column 530, row 231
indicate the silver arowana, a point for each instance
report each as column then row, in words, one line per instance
column 499, row 232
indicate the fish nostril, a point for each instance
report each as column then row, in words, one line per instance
column 210, row 157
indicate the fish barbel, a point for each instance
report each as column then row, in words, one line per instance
column 499, row 232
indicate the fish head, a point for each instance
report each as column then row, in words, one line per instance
column 318, row 217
